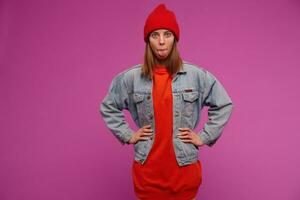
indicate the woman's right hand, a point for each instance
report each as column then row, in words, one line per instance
column 143, row 133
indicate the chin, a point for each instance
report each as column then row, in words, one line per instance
column 159, row 58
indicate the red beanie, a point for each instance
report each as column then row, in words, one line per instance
column 161, row 18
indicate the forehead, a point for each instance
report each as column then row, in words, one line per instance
column 160, row 31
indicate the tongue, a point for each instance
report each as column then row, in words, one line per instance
column 162, row 53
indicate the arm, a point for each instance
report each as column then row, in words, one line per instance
column 219, row 111
column 111, row 109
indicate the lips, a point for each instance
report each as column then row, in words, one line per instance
column 162, row 53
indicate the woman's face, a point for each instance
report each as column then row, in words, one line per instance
column 161, row 43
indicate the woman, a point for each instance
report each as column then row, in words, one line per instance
column 164, row 97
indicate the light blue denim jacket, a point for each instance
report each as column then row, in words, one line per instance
column 193, row 87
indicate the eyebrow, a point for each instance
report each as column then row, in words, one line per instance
column 164, row 31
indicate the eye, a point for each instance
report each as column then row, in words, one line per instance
column 168, row 34
column 154, row 35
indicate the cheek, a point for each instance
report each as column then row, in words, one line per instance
column 152, row 43
column 170, row 43
column 153, row 47
column 170, row 47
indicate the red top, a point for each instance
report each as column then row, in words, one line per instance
column 161, row 178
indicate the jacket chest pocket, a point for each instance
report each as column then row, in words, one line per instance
column 189, row 103
column 141, row 101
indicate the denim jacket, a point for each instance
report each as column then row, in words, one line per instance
column 192, row 87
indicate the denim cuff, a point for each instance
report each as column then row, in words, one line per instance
column 205, row 138
column 126, row 136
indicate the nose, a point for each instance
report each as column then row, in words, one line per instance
column 161, row 40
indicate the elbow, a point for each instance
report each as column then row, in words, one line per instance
column 231, row 106
column 102, row 109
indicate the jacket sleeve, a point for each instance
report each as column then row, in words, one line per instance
column 111, row 109
column 219, row 111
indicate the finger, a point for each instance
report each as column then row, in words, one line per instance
column 147, row 130
column 184, row 136
column 147, row 126
column 184, row 133
column 145, row 137
column 184, row 129
column 187, row 141
column 146, row 133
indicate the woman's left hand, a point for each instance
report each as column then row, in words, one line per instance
column 187, row 135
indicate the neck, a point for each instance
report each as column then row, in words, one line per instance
column 160, row 62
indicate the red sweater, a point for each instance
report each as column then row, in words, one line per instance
column 161, row 178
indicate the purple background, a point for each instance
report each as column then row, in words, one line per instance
column 58, row 58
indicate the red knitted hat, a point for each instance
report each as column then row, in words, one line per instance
column 159, row 18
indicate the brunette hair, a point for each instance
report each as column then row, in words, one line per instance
column 173, row 62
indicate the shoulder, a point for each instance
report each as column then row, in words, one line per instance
column 199, row 71
column 129, row 72
column 125, row 78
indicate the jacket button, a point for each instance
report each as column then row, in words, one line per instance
column 148, row 97
column 151, row 117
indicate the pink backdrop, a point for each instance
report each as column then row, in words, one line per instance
column 57, row 59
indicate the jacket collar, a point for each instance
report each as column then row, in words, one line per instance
column 182, row 70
